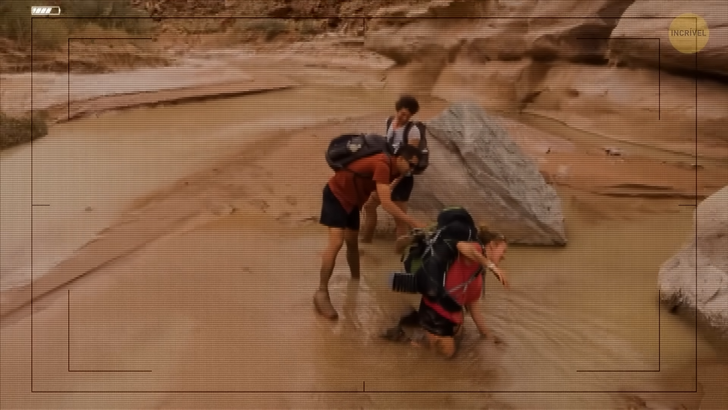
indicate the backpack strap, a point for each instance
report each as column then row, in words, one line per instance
column 407, row 128
column 465, row 284
column 405, row 135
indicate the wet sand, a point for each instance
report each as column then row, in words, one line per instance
column 206, row 286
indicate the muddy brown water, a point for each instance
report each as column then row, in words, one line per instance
column 88, row 171
column 226, row 308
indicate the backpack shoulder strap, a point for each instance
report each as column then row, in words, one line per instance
column 472, row 277
column 407, row 128
column 389, row 124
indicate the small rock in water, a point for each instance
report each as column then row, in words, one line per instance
column 613, row 151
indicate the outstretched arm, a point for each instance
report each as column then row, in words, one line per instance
column 469, row 251
column 385, row 198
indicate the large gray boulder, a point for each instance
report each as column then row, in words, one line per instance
column 679, row 275
column 475, row 164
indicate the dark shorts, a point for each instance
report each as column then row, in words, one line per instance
column 334, row 215
column 434, row 323
column 402, row 191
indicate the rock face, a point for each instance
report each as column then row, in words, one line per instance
column 579, row 69
column 713, row 58
column 511, row 30
column 677, row 276
column 475, row 164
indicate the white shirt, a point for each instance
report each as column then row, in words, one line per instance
column 396, row 137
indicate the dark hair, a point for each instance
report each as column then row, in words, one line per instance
column 408, row 152
column 409, row 102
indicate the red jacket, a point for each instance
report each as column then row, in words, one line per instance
column 456, row 280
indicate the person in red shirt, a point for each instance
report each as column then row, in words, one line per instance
column 343, row 196
column 464, row 283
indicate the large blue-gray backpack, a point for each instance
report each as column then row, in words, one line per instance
column 347, row 148
column 430, row 255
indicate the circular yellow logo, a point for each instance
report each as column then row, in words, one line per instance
column 689, row 33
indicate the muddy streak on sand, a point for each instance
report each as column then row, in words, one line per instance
column 227, row 307
column 240, row 129
column 551, row 164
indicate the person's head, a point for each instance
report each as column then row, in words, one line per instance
column 494, row 242
column 407, row 158
column 406, row 107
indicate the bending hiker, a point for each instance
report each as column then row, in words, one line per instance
column 363, row 165
column 450, row 279
column 401, row 131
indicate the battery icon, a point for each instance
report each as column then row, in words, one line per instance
column 45, row 10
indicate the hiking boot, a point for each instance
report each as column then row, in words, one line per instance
column 323, row 305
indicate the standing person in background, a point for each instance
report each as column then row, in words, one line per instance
column 401, row 130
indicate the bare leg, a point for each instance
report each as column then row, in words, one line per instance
column 447, row 347
column 443, row 345
column 351, row 238
column 370, row 219
column 402, row 227
column 321, row 300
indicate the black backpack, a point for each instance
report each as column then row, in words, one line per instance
column 424, row 159
column 431, row 254
column 347, row 148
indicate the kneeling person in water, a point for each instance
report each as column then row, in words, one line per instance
column 442, row 316
column 441, row 325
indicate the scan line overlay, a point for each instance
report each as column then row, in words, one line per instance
column 69, row 348
column 659, row 311
column 356, row 390
column 659, row 54
column 68, row 59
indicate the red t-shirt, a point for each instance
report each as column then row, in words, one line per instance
column 460, row 272
column 353, row 191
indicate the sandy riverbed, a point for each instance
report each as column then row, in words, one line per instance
column 204, row 271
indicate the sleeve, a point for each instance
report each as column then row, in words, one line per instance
column 382, row 172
